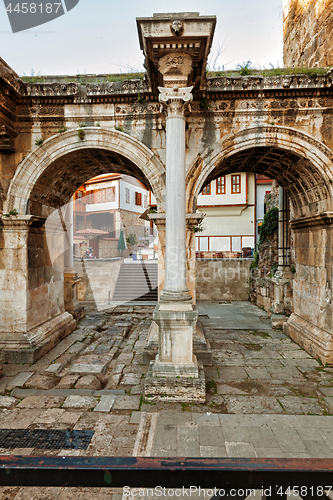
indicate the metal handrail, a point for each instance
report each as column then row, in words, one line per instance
column 271, row 475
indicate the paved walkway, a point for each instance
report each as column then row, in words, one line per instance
column 266, row 397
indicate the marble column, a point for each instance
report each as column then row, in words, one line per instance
column 175, row 101
column 174, row 375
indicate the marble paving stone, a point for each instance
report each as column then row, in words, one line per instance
column 131, row 379
column 210, row 436
column 80, row 402
column 49, row 416
column 67, row 382
column 240, row 449
column 105, row 404
column 7, row 402
column 54, row 368
column 19, row 380
column 213, row 451
column 300, row 405
column 40, row 382
column 253, row 404
column 188, row 440
column 41, row 402
column 88, row 382
column 327, row 391
column 206, row 420
column 256, row 373
column 126, row 403
column 70, row 417
column 229, row 390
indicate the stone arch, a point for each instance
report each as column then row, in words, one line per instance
column 296, row 160
column 50, row 174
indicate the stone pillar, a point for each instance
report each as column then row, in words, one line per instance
column 71, row 278
column 159, row 221
column 32, row 316
column 283, row 275
column 192, row 220
column 174, row 375
column 175, row 102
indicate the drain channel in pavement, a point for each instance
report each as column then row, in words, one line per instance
column 45, row 439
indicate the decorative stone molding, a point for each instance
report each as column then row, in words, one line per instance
column 257, row 82
column 283, row 138
column 109, row 88
column 34, row 166
column 175, row 100
column 51, row 89
column 324, row 219
column 175, row 68
column 7, row 139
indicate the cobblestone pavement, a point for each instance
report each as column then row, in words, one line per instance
column 266, row 397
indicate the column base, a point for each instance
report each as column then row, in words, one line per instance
column 201, row 345
column 28, row 347
column 169, row 296
column 172, row 389
column 315, row 340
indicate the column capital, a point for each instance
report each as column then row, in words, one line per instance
column 20, row 222
column 175, row 99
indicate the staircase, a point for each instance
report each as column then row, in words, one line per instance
column 137, row 281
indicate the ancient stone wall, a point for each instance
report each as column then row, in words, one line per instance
column 98, row 279
column 222, row 279
column 108, row 248
column 308, row 33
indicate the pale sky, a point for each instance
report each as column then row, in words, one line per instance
column 100, row 36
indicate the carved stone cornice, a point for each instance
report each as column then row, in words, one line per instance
column 324, row 219
column 51, row 89
column 7, row 139
column 259, row 82
column 20, row 222
column 192, row 219
column 175, row 100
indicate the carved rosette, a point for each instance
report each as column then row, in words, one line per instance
column 175, row 100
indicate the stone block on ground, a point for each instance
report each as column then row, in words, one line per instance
column 88, row 382
column 40, row 382
column 54, row 368
column 41, row 402
column 80, row 402
column 7, row 402
column 278, row 320
column 105, row 404
column 127, row 403
column 90, row 364
column 19, row 380
column 67, row 382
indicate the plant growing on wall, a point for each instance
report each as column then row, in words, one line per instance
column 270, row 224
column 80, row 134
column 39, row 141
column 198, row 228
column 245, row 68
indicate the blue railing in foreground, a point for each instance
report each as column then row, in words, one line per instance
column 230, row 475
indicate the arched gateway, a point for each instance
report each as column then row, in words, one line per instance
column 176, row 120
column 35, row 317
column 303, row 167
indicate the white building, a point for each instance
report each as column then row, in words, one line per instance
column 229, row 226
column 111, row 202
